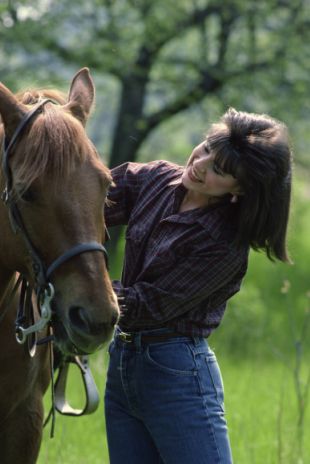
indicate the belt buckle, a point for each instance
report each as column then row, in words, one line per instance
column 126, row 337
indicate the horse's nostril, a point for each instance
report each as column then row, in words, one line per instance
column 78, row 317
column 81, row 320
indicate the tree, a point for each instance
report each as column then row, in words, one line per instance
column 168, row 56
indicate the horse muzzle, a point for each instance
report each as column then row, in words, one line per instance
column 80, row 332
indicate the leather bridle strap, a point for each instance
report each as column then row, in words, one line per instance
column 17, row 224
column 76, row 250
column 9, row 144
column 14, row 214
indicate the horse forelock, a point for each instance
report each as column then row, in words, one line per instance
column 54, row 143
column 33, row 96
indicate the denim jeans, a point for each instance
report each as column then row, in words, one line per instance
column 164, row 403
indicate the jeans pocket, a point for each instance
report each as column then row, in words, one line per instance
column 216, row 378
column 171, row 358
column 210, row 382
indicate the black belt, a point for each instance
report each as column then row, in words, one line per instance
column 131, row 337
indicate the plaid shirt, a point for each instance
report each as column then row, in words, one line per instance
column 180, row 268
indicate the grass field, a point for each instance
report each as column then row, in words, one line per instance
column 261, row 410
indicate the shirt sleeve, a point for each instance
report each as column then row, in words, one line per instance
column 122, row 196
column 189, row 283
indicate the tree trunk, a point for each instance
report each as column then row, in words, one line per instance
column 128, row 133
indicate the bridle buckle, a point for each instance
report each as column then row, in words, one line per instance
column 5, row 196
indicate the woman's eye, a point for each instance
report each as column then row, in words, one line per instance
column 206, row 149
column 218, row 170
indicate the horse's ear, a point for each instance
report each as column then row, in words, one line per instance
column 11, row 110
column 81, row 95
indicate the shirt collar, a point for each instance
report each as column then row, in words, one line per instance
column 213, row 218
column 177, row 180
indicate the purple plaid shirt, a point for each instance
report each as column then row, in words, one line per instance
column 180, row 268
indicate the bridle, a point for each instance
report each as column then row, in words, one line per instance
column 42, row 286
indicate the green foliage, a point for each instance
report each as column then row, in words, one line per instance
column 167, row 57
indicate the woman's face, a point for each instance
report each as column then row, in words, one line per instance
column 202, row 175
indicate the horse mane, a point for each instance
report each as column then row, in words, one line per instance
column 53, row 143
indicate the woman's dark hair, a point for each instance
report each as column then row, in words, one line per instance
column 255, row 150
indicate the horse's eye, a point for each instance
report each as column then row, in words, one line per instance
column 28, row 195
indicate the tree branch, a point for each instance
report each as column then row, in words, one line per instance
column 209, row 82
column 152, row 45
column 227, row 19
column 205, row 85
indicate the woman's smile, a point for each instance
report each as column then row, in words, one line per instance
column 193, row 176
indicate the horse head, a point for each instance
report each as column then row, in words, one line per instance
column 52, row 174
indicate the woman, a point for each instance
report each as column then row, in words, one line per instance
column 189, row 231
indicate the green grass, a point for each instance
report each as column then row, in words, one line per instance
column 78, row 440
column 261, row 412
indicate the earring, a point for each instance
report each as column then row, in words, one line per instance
column 234, row 199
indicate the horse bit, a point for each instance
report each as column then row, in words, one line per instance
column 43, row 287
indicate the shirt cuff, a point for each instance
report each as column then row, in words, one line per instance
column 125, row 295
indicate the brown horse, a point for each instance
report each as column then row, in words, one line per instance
column 55, row 187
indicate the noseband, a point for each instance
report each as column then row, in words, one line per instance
column 43, row 287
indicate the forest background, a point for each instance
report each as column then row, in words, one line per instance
column 164, row 71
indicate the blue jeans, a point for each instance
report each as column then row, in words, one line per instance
column 164, row 403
